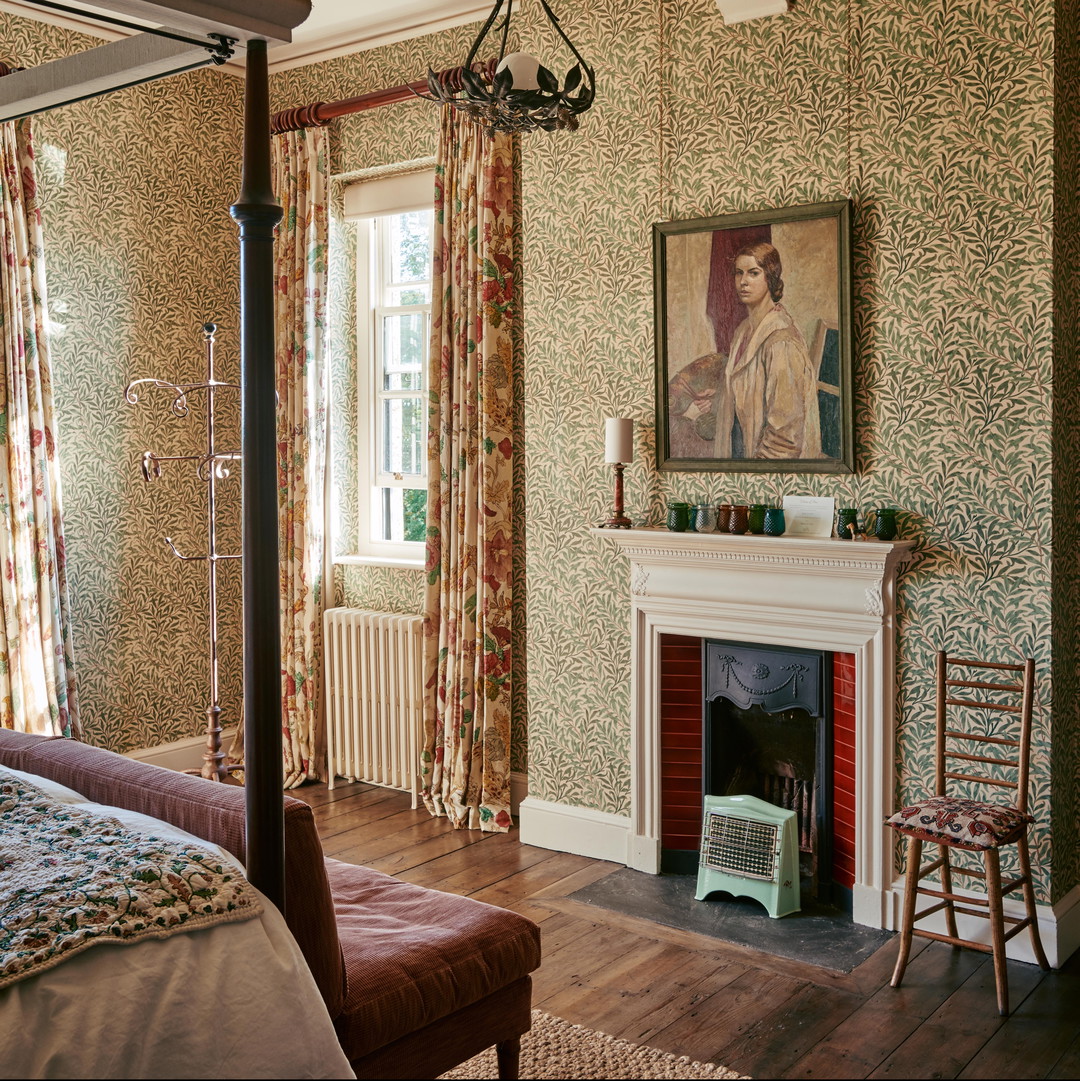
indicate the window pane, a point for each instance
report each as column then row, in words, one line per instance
column 403, row 351
column 402, row 436
column 400, row 296
column 410, row 246
column 402, row 513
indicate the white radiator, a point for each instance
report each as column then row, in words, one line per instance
column 374, row 697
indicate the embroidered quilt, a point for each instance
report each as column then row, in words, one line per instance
column 71, row 878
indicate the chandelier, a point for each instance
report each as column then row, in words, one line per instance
column 515, row 92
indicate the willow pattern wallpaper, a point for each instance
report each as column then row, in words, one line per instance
column 140, row 252
column 947, row 125
column 938, row 121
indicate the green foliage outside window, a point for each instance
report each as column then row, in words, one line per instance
column 414, row 247
column 415, row 500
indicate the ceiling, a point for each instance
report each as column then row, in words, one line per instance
column 337, row 27
column 334, row 28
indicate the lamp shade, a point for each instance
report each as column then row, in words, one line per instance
column 524, row 67
column 619, row 440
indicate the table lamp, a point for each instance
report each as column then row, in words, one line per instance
column 619, row 450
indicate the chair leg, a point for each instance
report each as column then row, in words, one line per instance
column 907, row 922
column 946, row 887
column 997, row 927
column 508, row 1056
column 1029, row 903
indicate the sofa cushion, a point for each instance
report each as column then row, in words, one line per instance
column 961, row 823
column 414, row 955
column 207, row 809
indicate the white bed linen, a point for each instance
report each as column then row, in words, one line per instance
column 231, row 1001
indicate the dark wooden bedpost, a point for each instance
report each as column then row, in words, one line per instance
column 257, row 212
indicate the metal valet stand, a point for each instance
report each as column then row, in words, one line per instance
column 210, row 467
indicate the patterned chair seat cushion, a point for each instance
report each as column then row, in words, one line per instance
column 962, row 823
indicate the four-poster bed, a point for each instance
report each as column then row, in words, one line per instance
column 413, row 980
column 198, row 34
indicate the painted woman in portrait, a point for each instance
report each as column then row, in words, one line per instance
column 768, row 407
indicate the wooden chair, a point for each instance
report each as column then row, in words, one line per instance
column 974, row 825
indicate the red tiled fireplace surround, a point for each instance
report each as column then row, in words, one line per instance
column 681, row 752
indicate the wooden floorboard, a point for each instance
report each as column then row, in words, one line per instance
column 1038, row 1033
column 461, row 872
column 960, row 1027
column 761, row 1015
column 781, row 1037
column 1069, row 1063
column 857, row 1046
column 723, row 1009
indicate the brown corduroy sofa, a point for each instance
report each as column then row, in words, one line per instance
column 415, row 980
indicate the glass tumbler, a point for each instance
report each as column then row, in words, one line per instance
column 678, row 517
column 738, row 519
column 756, row 517
column 847, row 520
column 774, row 522
column 704, row 517
column 882, row 523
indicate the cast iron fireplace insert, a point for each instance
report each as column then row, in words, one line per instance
column 766, row 732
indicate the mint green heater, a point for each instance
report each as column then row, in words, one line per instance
column 749, row 848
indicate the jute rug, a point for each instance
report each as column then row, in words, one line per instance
column 555, row 1049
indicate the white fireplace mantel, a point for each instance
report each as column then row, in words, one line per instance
column 809, row 593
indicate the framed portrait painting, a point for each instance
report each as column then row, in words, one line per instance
column 754, row 342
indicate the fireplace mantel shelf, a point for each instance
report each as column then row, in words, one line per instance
column 788, row 573
column 807, row 551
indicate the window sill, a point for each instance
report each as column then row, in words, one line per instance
column 379, row 561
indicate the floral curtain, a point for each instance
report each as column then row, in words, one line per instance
column 301, row 169
column 37, row 671
column 465, row 764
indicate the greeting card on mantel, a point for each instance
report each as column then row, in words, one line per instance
column 809, row 516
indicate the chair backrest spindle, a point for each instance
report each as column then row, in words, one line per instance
column 939, row 741
column 954, row 764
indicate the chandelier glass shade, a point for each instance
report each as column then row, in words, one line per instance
column 516, row 92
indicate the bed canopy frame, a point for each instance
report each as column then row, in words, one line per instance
column 182, row 35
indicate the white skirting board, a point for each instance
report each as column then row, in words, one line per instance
column 182, row 754
column 579, row 830
column 1059, row 926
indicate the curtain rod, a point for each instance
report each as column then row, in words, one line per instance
column 319, row 113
